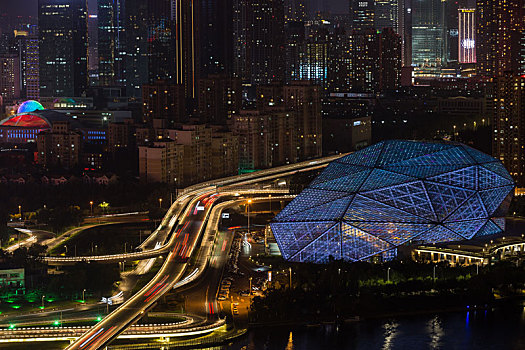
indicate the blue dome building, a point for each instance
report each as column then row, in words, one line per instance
column 370, row 202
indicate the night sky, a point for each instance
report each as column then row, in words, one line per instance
column 29, row 7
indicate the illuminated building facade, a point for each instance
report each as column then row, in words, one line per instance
column 111, row 42
column 467, row 35
column 429, row 39
column 508, row 122
column 362, row 13
column 369, row 203
column 63, row 51
column 500, row 25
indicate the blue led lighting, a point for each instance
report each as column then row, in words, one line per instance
column 370, row 202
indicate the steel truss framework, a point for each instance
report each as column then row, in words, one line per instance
column 372, row 201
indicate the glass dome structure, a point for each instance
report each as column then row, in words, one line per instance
column 370, row 202
column 29, row 106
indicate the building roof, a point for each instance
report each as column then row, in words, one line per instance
column 370, row 202
column 41, row 119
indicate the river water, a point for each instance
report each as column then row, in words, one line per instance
column 502, row 328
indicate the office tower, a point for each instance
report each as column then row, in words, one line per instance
column 216, row 33
column 294, row 11
column 389, row 60
column 259, row 41
column 365, row 67
column 185, row 16
column 467, row 36
column 362, row 13
column 63, row 47
column 164, row 101
column 405, row 30
column 111, row 43
column 314, row 59
column 27, row 49
column 219, row 99
column 340, row 63
column 429, row 40
column 509, row 115
column 500, row 25
column 386, row 14
column 10, row 82
column 294, row 47
column 149, row 44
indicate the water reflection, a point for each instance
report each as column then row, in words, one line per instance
column 436, row 332
column 390, row 329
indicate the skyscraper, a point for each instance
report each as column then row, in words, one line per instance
column 500, row 26
column 386, row 14
column 149, row 42
column 294, row 11
column 63, row 47
column 508, row 123
column 259, row 40
column 467, row 36
column 9, row 77
column 111, row 42
column 429, row 40
column 185, row 16
column 216, row 32
column 362, row 13
column 405, row 30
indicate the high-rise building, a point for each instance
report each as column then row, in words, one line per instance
column 10, row 85
column 59, row 147
column 161, row 161
column 386, row 14
column 149, row 44
column 500, row 25
column 340, row 63
column 363, row 14
column 63, row 49
column 111, row 42
column 389, row 60
column 294, row 11
column 429, row 39
column 259, row 40
column 304, row 99
column 467, row 36
column 185, row 16
column 219, row 99
column 508, row 124
column 216, row 37
column 295, row 40
column 224, row 154
column 314, row 59
column 32, row 66
column 405, row 31
column 165, row 101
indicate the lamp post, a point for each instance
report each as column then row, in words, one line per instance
column 270, row 197
column 248, row 207
column 388, row 275
column 43, row 296
column 20, row 211
column 83, row 296
column 91, row 205
column 290, row 270
column 65, row 248
column 250, row 285
column 160, row 203
column 434, row 275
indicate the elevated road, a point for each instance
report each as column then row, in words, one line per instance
column 181, row 246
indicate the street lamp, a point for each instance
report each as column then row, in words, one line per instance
column 434, row 276
column 83, row 296
column 43, row 296
column 248, row 207
column 250, row 285
column 66, row 248
column 270, row 196
column 388, row 275
column 91, row 204
column 20, row 211
column 290, row 270
column 160, row 203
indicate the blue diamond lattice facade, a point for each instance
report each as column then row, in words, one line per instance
column 372, row 201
